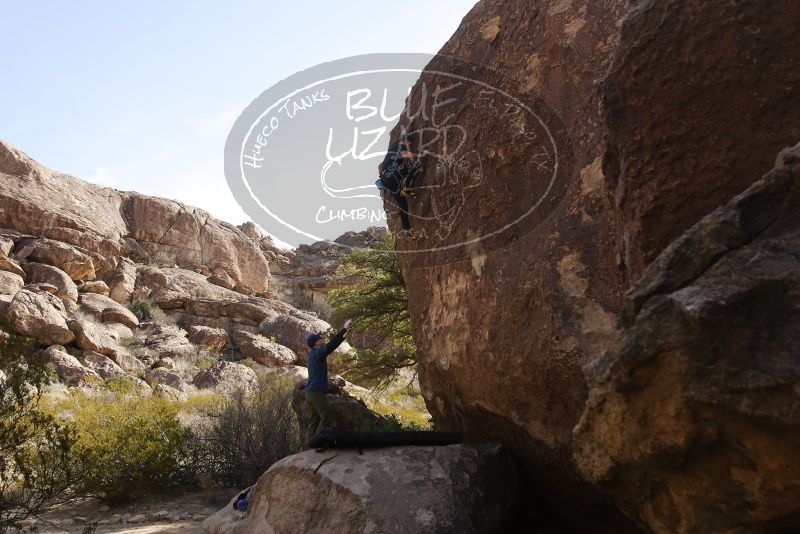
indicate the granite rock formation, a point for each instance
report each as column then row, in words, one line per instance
column 630, row 121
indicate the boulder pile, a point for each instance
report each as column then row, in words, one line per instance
column 114, row 284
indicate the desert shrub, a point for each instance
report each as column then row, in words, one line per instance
column 122, row 385
column 126, row 444
column 393, row 422
column 204, row 362
column 236, row 442
column 400, row 418
column 35, row 447
column 146, row 310
column 199, row 293
column 251, row 363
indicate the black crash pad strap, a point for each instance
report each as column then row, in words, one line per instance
column 338, row 438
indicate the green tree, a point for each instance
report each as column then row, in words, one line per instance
column 35, row 448
column 374, row 295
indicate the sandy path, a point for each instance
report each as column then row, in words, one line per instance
column 158, row 514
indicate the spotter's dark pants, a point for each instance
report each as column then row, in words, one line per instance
column 317, row 403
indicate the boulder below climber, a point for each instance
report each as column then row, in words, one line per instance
column 458, row 489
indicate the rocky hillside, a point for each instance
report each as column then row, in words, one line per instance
column 75, row 259
column 307, row 274
column 679, row 415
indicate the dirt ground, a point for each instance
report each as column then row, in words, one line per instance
column 182, row 513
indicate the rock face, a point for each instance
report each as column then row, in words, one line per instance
column 69, row 369
column 76, row 264
column 293, row 330
column 160, row 376
column 40, row 316
column 658, row 118
column 10, row 283
column 85, row 223
column 227, row 377
column 190, row 237
column 262, row 350
column 93, row 336
column 208, row 338
column 691, row 120
column 105, row 309
column 305, row 279
column 41, row 273
column 457, row 489
column 122, row 281
column 708, row 374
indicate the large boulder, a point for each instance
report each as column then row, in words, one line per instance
column 189, row 237
column 208, row 338
column 458, row 489
column 293, row 330
column 165, row 377
column 42, row 273
column 11, row 266
column 41, row 316
column 227, row 377
column 172, row 287
column 169, row 393
column 33, row 199
column 102, row 365
column 93, row 336
column 692, row 120
column 121, row 281
column 106, row 309
column 262, row 350
column 701, row 401
column 77, row 264
column 253, row 311
column 69, row 370
column 10, row 283
column 95, row 286
column 292, row 373
column 129, row 363
column 643, row 101
column 168, row 341
column 103, row 251
column 504, row 324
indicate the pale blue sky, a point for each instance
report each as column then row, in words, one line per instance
column 140, row 95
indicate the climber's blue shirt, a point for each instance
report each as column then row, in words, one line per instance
column 318, row 363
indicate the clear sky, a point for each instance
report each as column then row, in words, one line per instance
column 140, row 95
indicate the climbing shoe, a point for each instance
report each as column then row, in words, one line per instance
column 411, row 235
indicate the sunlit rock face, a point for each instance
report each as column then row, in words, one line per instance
column 89, row 227
column 659, row 112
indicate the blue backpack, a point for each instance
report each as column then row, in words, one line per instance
column 243, row 500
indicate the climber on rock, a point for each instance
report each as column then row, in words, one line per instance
column 317, row 386
column 398, row 171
